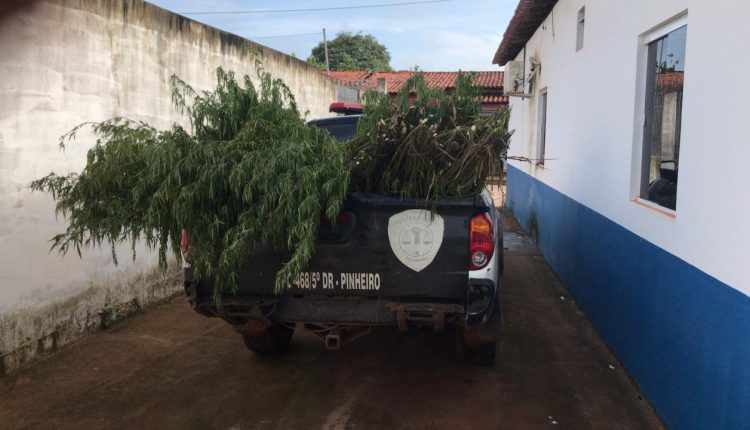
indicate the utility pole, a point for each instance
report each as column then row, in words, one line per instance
column 325, row 45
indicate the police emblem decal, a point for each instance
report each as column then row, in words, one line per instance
column 415, row 236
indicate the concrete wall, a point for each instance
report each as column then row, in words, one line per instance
column 668, row 289
column 64, row 62
column 346, row 94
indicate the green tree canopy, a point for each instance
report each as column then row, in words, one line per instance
column 352, row 52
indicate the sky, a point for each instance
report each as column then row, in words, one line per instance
column 445, row 36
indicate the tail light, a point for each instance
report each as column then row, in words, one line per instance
column 340, row 219
column 481, row 241
column 184, row 242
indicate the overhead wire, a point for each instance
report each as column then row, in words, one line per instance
column 318, row 9
column 317, row 33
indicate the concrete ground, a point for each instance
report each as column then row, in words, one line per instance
column 171, row 368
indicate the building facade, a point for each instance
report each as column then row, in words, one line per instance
column 491, row 83
column 634, row 116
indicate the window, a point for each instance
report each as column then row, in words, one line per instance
column 341, row 131
column 541, row 139
column 579, row 32
column 665, row 70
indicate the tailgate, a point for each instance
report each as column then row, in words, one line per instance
column 381, row 247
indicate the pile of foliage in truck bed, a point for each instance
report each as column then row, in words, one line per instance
column 250, row 172
column 426, row 143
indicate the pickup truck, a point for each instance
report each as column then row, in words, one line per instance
column 386, row 261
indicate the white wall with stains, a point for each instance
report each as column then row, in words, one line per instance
column 64, row 62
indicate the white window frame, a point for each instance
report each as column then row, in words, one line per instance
column 541, row 127
column 644, row 39
column 580, row 27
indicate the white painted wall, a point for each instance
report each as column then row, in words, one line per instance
column 64, row 62
column 595, row 117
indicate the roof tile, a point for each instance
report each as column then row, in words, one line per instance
column 488, row 80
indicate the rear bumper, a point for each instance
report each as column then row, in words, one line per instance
column 479, row 307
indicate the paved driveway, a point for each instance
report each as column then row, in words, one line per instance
column 171, row 368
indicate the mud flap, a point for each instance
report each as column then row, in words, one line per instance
column 486, row 333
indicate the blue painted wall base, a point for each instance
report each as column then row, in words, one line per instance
column 683, row 335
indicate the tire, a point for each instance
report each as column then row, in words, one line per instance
column 275, row 340
column 482, row 355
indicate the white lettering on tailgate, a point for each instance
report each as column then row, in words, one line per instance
column 356, row 281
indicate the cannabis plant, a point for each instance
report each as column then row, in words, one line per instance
column 427, row 143
column 248, row 172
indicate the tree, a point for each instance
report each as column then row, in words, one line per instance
column 352, row 52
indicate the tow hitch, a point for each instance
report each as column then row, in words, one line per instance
column 423, row 313
column 335, row 336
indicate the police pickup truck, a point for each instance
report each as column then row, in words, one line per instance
column 386, row 261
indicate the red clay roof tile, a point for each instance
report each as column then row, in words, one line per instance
column 488, row 80
column 347, row 77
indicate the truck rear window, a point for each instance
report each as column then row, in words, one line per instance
column 340, row 131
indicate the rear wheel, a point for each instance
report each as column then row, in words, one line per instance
column 274, row 340
column 483, row 355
